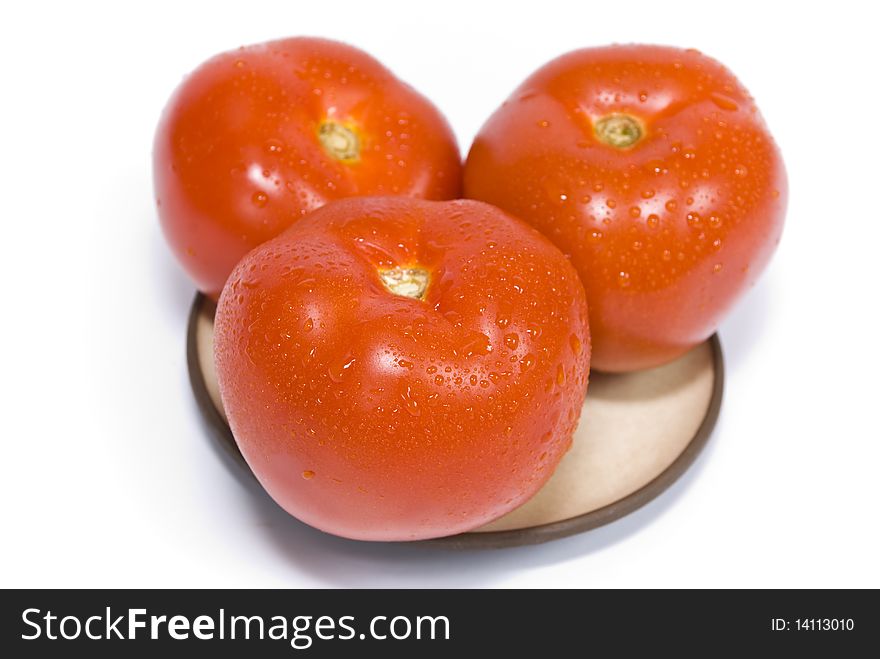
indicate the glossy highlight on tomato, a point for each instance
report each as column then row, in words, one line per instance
column 652, row 169
column 399, row 369
column 257, row 137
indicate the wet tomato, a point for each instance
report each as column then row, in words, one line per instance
column 653, row 170
column 396, row 369
column 257, row 137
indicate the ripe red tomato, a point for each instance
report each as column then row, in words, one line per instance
column 257, row 137
column 397, row 369
column 651, row 168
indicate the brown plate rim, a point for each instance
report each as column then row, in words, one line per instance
column 493, row 539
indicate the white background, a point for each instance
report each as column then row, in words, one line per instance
column 109, row 477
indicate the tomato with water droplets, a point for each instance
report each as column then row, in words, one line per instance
column 397, row 369
column 651, row 168
column 259, row 136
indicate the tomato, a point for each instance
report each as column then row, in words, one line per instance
column 257, row 137
column 397, row 369
column 651, row 168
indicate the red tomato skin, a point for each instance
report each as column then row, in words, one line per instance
column 237, row 155
column 666, row 235
column 380, row 417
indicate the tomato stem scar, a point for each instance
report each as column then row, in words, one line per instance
column 621, row 131
column 406, row 282
column 339, row 141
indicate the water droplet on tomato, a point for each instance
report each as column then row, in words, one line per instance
column 724, row 102
column 274, row 147
column 308, row 474
column 560, row 375
column 475, row 344
column 339, row 368
column 259, row 199
column 410, row 404
column 453, row 317
column 658, row 169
